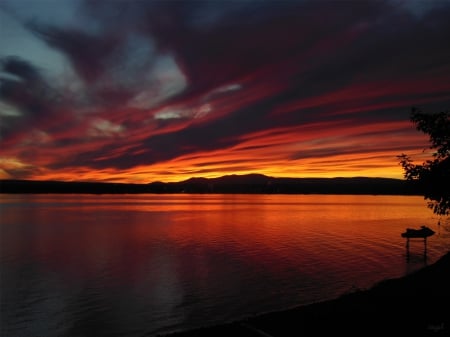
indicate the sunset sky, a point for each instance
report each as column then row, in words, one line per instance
column 141, row 91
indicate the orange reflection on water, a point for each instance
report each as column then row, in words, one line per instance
column 127, row 235
column 158, row 259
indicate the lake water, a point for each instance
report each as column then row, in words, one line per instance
column 142, row 265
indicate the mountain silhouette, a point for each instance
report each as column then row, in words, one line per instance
column 248, row 183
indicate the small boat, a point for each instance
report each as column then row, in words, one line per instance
column 423, row 232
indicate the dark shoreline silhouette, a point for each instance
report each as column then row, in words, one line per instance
column 250, row 183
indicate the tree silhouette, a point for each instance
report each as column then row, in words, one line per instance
column 433, row 176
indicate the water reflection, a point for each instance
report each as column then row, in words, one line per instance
column 134, row 265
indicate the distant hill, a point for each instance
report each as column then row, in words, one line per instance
column 250, row 183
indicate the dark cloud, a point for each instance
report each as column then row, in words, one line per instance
column 23, row 87
column 317, row 45
column 248, row 38
column 213, row 42
column 87, row 51
column 21, row 69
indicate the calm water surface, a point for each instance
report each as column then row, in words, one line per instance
column 142, row 265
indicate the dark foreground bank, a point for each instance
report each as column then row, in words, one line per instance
column 415, row 305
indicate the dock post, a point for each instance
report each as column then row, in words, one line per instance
column 407, row 249
column 425, row 246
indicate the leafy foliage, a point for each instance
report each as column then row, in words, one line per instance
column 433, row 175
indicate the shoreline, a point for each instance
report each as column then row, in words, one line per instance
column 413, row 305
column 232, row 184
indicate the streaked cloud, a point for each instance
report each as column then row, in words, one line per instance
column 104, row 128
